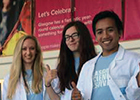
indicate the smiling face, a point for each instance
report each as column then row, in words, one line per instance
column 28, row 52
column 107, row 35
column 73, row 41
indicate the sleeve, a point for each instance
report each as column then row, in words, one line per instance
column 132, row 90
column 55, row 87
column 66, row 95
column 80, row 84
column 46, row 97
column 5, row 87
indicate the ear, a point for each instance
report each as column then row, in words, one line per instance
column 95, row 38
column 121, row 32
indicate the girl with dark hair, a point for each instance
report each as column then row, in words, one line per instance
column 76, row 48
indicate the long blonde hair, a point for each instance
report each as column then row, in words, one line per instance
column 17, row 69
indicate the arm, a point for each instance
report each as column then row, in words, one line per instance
column 52, row 94
column 133, row 89
column 51, row 74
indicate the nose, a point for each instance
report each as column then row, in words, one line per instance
column 105, row 34
column 28, row 51
column 71, row 38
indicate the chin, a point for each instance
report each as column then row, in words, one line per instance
column 29, row 62
column 75, row 50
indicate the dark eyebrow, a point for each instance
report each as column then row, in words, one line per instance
column 72, row 34
column 106, row 28
column 99, row 30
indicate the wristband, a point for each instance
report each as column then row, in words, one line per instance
column 47, row 85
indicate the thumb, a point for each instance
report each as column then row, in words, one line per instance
column 47, row 67
column 73, row 84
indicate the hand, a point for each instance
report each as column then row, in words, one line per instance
column 51, row 74
column 138, row 77
column 76, row 95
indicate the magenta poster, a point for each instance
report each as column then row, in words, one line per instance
column 52, row 15
column 132, row 20
column 89, row 8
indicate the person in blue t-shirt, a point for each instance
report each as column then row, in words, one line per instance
column 26, row 78
column 76, row 48
column 114, row 73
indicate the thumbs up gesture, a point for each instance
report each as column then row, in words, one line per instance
column 76, row 95
column 51, row 74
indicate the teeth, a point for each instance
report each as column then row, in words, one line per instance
column 106, row 42
column 28, row 57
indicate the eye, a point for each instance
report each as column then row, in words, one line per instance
column 24, row 48
column 67, row 37
column 110, row 29
column 32, row 48
column 74, row 34
column 99, row 32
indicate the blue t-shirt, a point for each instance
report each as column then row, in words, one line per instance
column 31, row 95
column 101, row 90
column 77, row 59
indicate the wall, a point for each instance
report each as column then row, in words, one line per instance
column 50, row 57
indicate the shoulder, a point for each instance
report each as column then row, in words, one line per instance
column 127, row 54
column 131, row 55
column 129, row 59
column 91, row 61
column 89, row 65
column 6, row 78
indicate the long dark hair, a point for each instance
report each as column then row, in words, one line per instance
column 66, row 66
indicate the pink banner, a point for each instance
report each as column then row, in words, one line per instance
column 52, row 15
column 132, row 20
column 89, row 8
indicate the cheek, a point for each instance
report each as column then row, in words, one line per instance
column 97, row 38
column 34, row 53
column 78, row 42
column 116, row 37
column 67, row 44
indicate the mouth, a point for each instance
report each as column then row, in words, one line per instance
column 29, row 57
column 107, row 42
column 73, row 44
